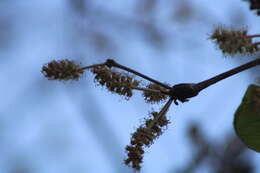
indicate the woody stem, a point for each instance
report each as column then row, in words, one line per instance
column 206, row 83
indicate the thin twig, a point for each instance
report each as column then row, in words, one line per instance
column 252, row 36
column 112, row 63
column 150, row 90
column 161, row 113
column 91, row 66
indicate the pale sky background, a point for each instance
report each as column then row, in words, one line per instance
column 51, row 127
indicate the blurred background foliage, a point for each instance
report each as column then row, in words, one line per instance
column 48, row 126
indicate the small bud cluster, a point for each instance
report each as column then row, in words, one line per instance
column 233, row 41
column 255, row 5
column 116, row 82
column 144, row 137
column 154, row 97
column 62, row 70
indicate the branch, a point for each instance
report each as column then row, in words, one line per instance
column 204, row 84
column 150, row 90
column 184, row 91
column 112, row 63
column 92, row 66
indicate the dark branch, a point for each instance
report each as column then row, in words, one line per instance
column 112, row 63
column 204, row 84
column 184, row 91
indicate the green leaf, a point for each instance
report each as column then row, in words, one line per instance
column 247, row 118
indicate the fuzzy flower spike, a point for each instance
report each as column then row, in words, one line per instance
column 62, row 70
column 234, row 41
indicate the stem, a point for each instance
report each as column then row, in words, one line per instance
column 112, row 63
column 161, row 113
column 150, row 90
column 252, row 36
column 91, row 66
column 204, row 84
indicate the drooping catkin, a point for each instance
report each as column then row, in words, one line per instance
column 154, row 97
column 144, row 136
column 114, row 81
column 62, row 70
column 233, row 41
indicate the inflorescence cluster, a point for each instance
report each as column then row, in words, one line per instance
column 115, row 82
column 62, row 70
column 144, row 136
column 234, row 41
column 122, row 84
column 120, row 79
column 153, row 97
